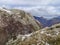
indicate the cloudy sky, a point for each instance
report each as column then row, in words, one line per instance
column 51, row 6
column 29, row 3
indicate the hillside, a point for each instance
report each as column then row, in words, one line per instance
column 14, row 22
column 46, row 36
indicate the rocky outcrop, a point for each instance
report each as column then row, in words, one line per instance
column 14, row 22
column 46, row 36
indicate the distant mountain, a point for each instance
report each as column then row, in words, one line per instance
column 48, row 23
column 53, row 21
column 41, row 20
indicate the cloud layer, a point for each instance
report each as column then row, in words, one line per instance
column 25, row 2
column 52, row 7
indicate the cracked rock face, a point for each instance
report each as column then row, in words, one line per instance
column 14, row 22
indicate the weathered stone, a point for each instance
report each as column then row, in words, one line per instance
column 15, row 22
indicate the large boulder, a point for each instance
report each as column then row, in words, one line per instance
column 14, row 22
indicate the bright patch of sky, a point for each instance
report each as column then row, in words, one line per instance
column 41, row 7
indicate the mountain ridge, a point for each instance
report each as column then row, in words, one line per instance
column 48, row 23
